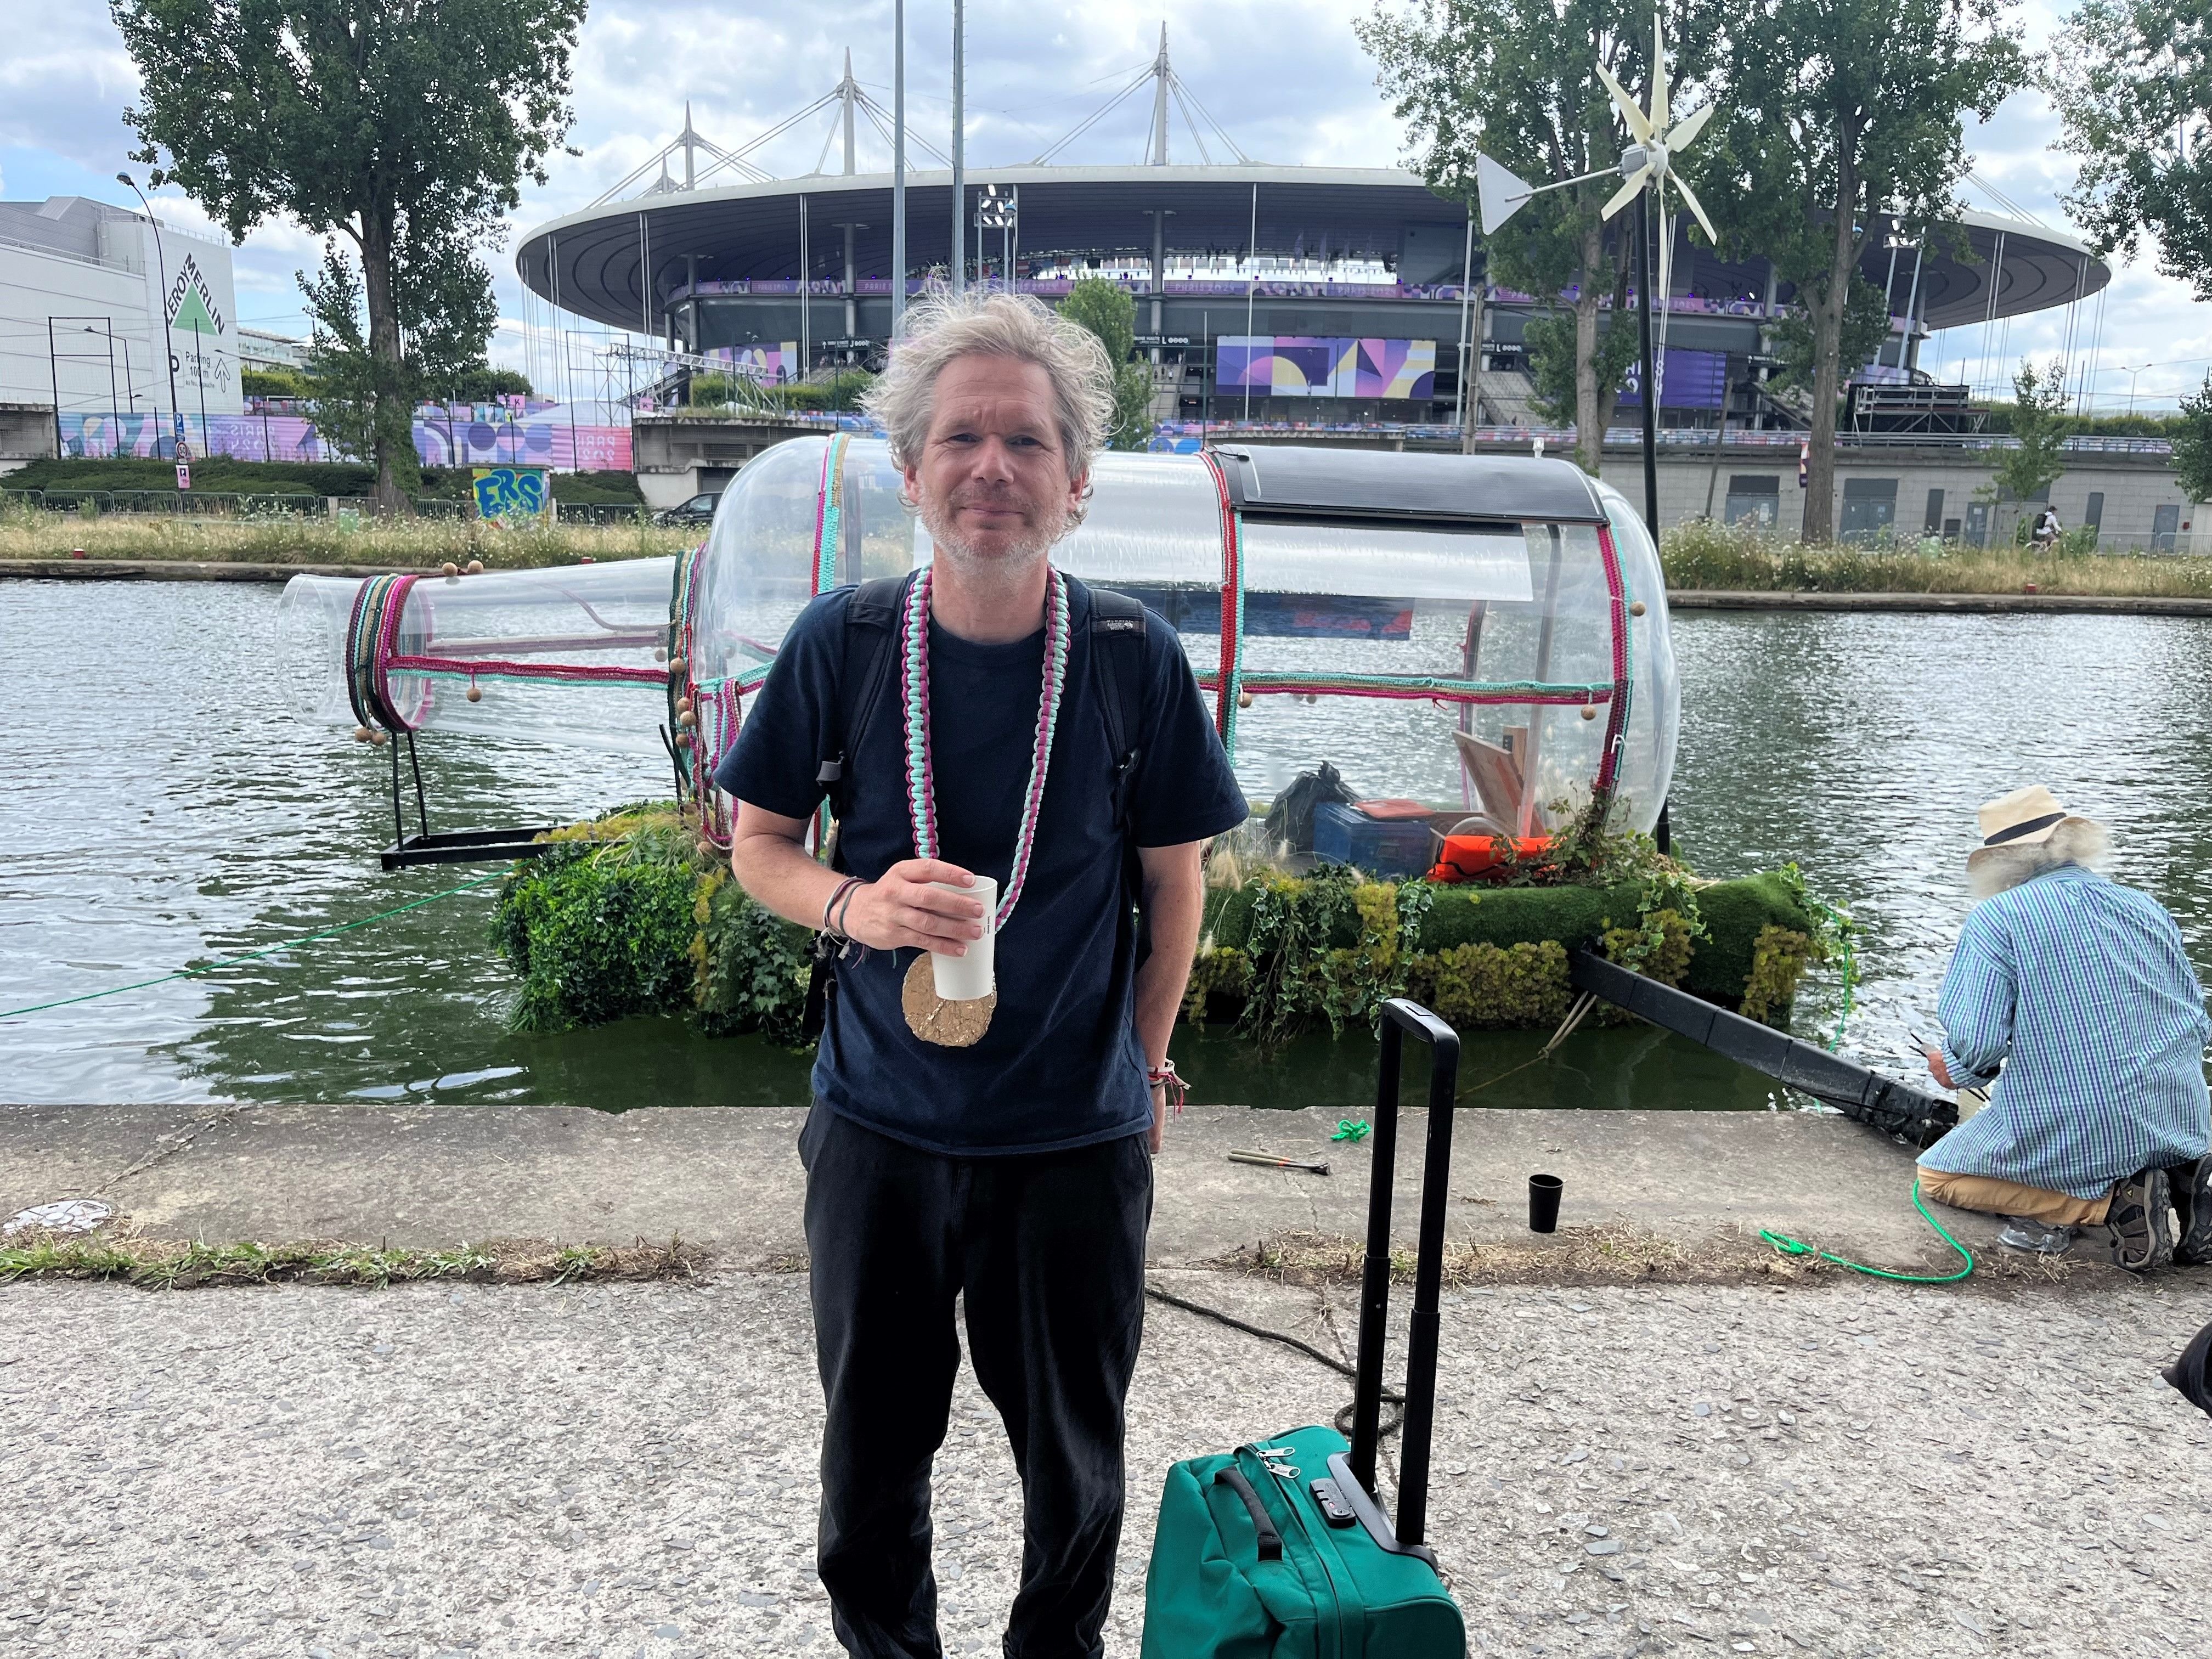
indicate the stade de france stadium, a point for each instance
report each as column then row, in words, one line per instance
column 1314, row 295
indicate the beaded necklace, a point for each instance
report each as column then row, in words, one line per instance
column 920, row 778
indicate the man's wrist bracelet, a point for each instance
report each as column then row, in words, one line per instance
column 835, row 929
column 852, row 885
column 1164, row 1075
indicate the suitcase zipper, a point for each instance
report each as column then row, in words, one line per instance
column 1288, row 1486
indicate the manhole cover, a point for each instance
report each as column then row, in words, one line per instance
column 70, row 1215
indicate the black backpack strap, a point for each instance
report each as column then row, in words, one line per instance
column 1117, row 642
column 872, row 631
column 869, row 646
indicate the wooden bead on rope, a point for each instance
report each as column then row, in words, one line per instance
column 675, row 665
column 451, row 570
column 1243, row 699
column 1637, row 607
column 687, row 720
column 476, row 692
column 476, row 566
column 1589, row 711
column 379, row 738
column 363, row 734
column 684, row 705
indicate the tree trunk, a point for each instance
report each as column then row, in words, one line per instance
column 384, row 353
column 1589, row 402
column 1828, row 312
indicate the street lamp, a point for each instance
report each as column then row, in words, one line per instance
column 168, row 339
column 2132, row 373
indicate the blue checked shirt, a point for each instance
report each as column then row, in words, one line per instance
column 2079, row 988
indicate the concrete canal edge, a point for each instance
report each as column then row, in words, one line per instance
column 2113, row 604
column 1665, row 1196
column 2101, row 605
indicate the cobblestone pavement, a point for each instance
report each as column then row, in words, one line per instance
column 1849, row 1469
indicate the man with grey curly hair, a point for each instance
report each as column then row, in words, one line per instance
column 2075, row 995
column 1021, row 767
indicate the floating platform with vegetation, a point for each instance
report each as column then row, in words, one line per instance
column 636, row 914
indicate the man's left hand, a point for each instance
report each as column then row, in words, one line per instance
column 1938, row 1070
column 1158, row 1131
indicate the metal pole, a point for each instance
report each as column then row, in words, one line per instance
column 898, row 166
column 806, row 295
column 1466, row 288
column 54, row 379
column 959, row 148
column 1650, row 379
column 168, row 339
column 1251, row 288
column 114, row 399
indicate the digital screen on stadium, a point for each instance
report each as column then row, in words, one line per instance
column 1687, row 380
column 1305, row 365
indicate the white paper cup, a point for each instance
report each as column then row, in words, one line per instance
column 965, row 979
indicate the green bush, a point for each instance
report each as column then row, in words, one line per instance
column 595, row 936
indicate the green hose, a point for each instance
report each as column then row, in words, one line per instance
column 289, row 943
column 1790, row 1246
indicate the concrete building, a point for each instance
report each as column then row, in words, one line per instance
column 260, row 349
column 94, row 306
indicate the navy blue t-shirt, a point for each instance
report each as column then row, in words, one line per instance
column 1060, row 1064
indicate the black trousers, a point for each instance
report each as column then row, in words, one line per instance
column 1047, row 1249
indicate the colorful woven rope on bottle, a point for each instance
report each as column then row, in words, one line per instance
column 921, row 777
column 830, row 514
column 372, row 634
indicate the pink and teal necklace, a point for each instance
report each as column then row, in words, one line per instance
column 959, row 1024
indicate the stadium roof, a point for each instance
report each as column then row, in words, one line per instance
column 589, row 262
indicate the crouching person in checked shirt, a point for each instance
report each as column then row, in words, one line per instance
column 994, row 1150
column 2075, row 994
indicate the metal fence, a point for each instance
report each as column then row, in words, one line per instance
column 202, row 502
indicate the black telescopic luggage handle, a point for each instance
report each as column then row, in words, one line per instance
column 1399, row 1017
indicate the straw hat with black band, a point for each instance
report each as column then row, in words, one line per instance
column 2023, row 819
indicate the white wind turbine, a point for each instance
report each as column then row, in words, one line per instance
column 1646, row 172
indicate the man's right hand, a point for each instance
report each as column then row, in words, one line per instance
column 903, row 909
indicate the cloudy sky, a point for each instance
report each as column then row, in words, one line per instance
column 1287, row 77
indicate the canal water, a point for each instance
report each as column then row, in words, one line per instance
column 162, row 807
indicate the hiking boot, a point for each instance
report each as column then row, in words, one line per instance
column 2192, row 1207
column 2138, row 1226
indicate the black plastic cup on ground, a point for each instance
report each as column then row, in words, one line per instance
column 1544, row 1191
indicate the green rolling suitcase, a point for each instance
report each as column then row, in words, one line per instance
column 1278, row 1550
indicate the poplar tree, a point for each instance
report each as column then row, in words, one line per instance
column 1845, row 118
column 396, row 131
column 2132, row 84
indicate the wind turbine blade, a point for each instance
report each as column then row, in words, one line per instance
column 1690, row 201
column 1658, row 75
column 1503, row 194
column 1626, row 193
column 1638, row 126
column 1688, row 128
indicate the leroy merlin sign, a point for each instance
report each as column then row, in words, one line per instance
column 191, row 305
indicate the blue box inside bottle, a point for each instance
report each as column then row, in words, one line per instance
column 1397, row 847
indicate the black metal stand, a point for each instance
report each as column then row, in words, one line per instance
column 451, row 846
column 1650, row 374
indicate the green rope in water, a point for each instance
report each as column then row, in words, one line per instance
column 228, row 962
column 1790, row 1246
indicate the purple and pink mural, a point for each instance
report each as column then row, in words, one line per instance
column 1306, row 365
column 543, row 437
